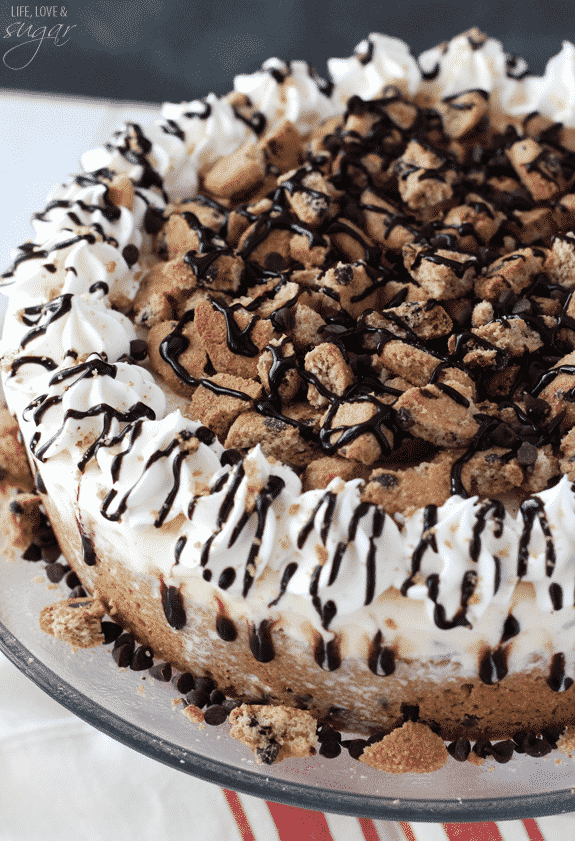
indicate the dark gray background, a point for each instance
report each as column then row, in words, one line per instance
column 155, row 50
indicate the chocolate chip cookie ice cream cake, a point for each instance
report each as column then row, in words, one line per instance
column 295, row 372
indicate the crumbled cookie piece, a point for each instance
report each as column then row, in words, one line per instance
column 232, row 337
column 351, row 286
column 566, row 742
column 181, row 233
column 385, row 223
column 306, row 329
column 538, row 167
column 282, row 147
column 162, row 290
column 310, row 252
column 428, row 483
column 274, row 733
column 559, row 391
column 237, row 174
column 482, row 314
column 120, row 190
column 424, row 178
column 408, row 362
column 411, row 749
column 433, row 415
column 290, row 381
column 560, row 262
column 14, row 467
column 328, row 366
column 511, row 334
column 21, row 520
column 441, row 272
column 542, row 471
column 491, row 472
column 353, row 243
column 312, row 198
column 266, row 245
column 533, row 225
column 357, row 429
column 187, row 349
column 322, row 471
column 568, row 449
column 194, row 714
column 564, row 212
column 277, row 437
column 75, row 621
column 461, row 112
column 219, row 411
column 427, row 322
column 483, row 218
column 208, row 212
column 513, row 271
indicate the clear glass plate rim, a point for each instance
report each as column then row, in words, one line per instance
column 301, row 795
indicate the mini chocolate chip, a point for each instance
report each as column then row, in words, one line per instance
column 77, row 592
column 153, row 220
column 536, row 409
column 197, row 698
column 269, row 754
column 483, row 748
column 72, row 580
column 527, row 454
column 125, row 639
column 130, row 253
column 123, row 655
column 230, row 457
column 460, row 749
column 32, row 553
column 503, row 751
column 55, row 572
column 215, row 715
column 111, row 631
column 283, row 319
column 45, row 536
column 217, row 697
column 184, row 683
column 15, row 508
column 274, row 262
column 355, row 747
column 344, row 275
column 330, row 749
column 326, row 732
column 534, row 746
column 138, row 349
column 386, row 480
column 142, row 658
column 205, row 435
column 410, row 712
column 469, row 721
column 503, row 436
column 161, row 672
column 51, row 553
column 376, row 737
column 204, row 684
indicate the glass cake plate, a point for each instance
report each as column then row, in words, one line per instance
column 138, row 711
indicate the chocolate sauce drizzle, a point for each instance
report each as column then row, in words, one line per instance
column 381, row 658
column 91, row 368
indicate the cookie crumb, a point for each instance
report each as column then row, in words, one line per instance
column 411, row 749
column 274, row 733
column 75, row 621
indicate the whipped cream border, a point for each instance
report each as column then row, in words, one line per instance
column 70, row 253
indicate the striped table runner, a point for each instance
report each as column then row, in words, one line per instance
column 258, row 820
